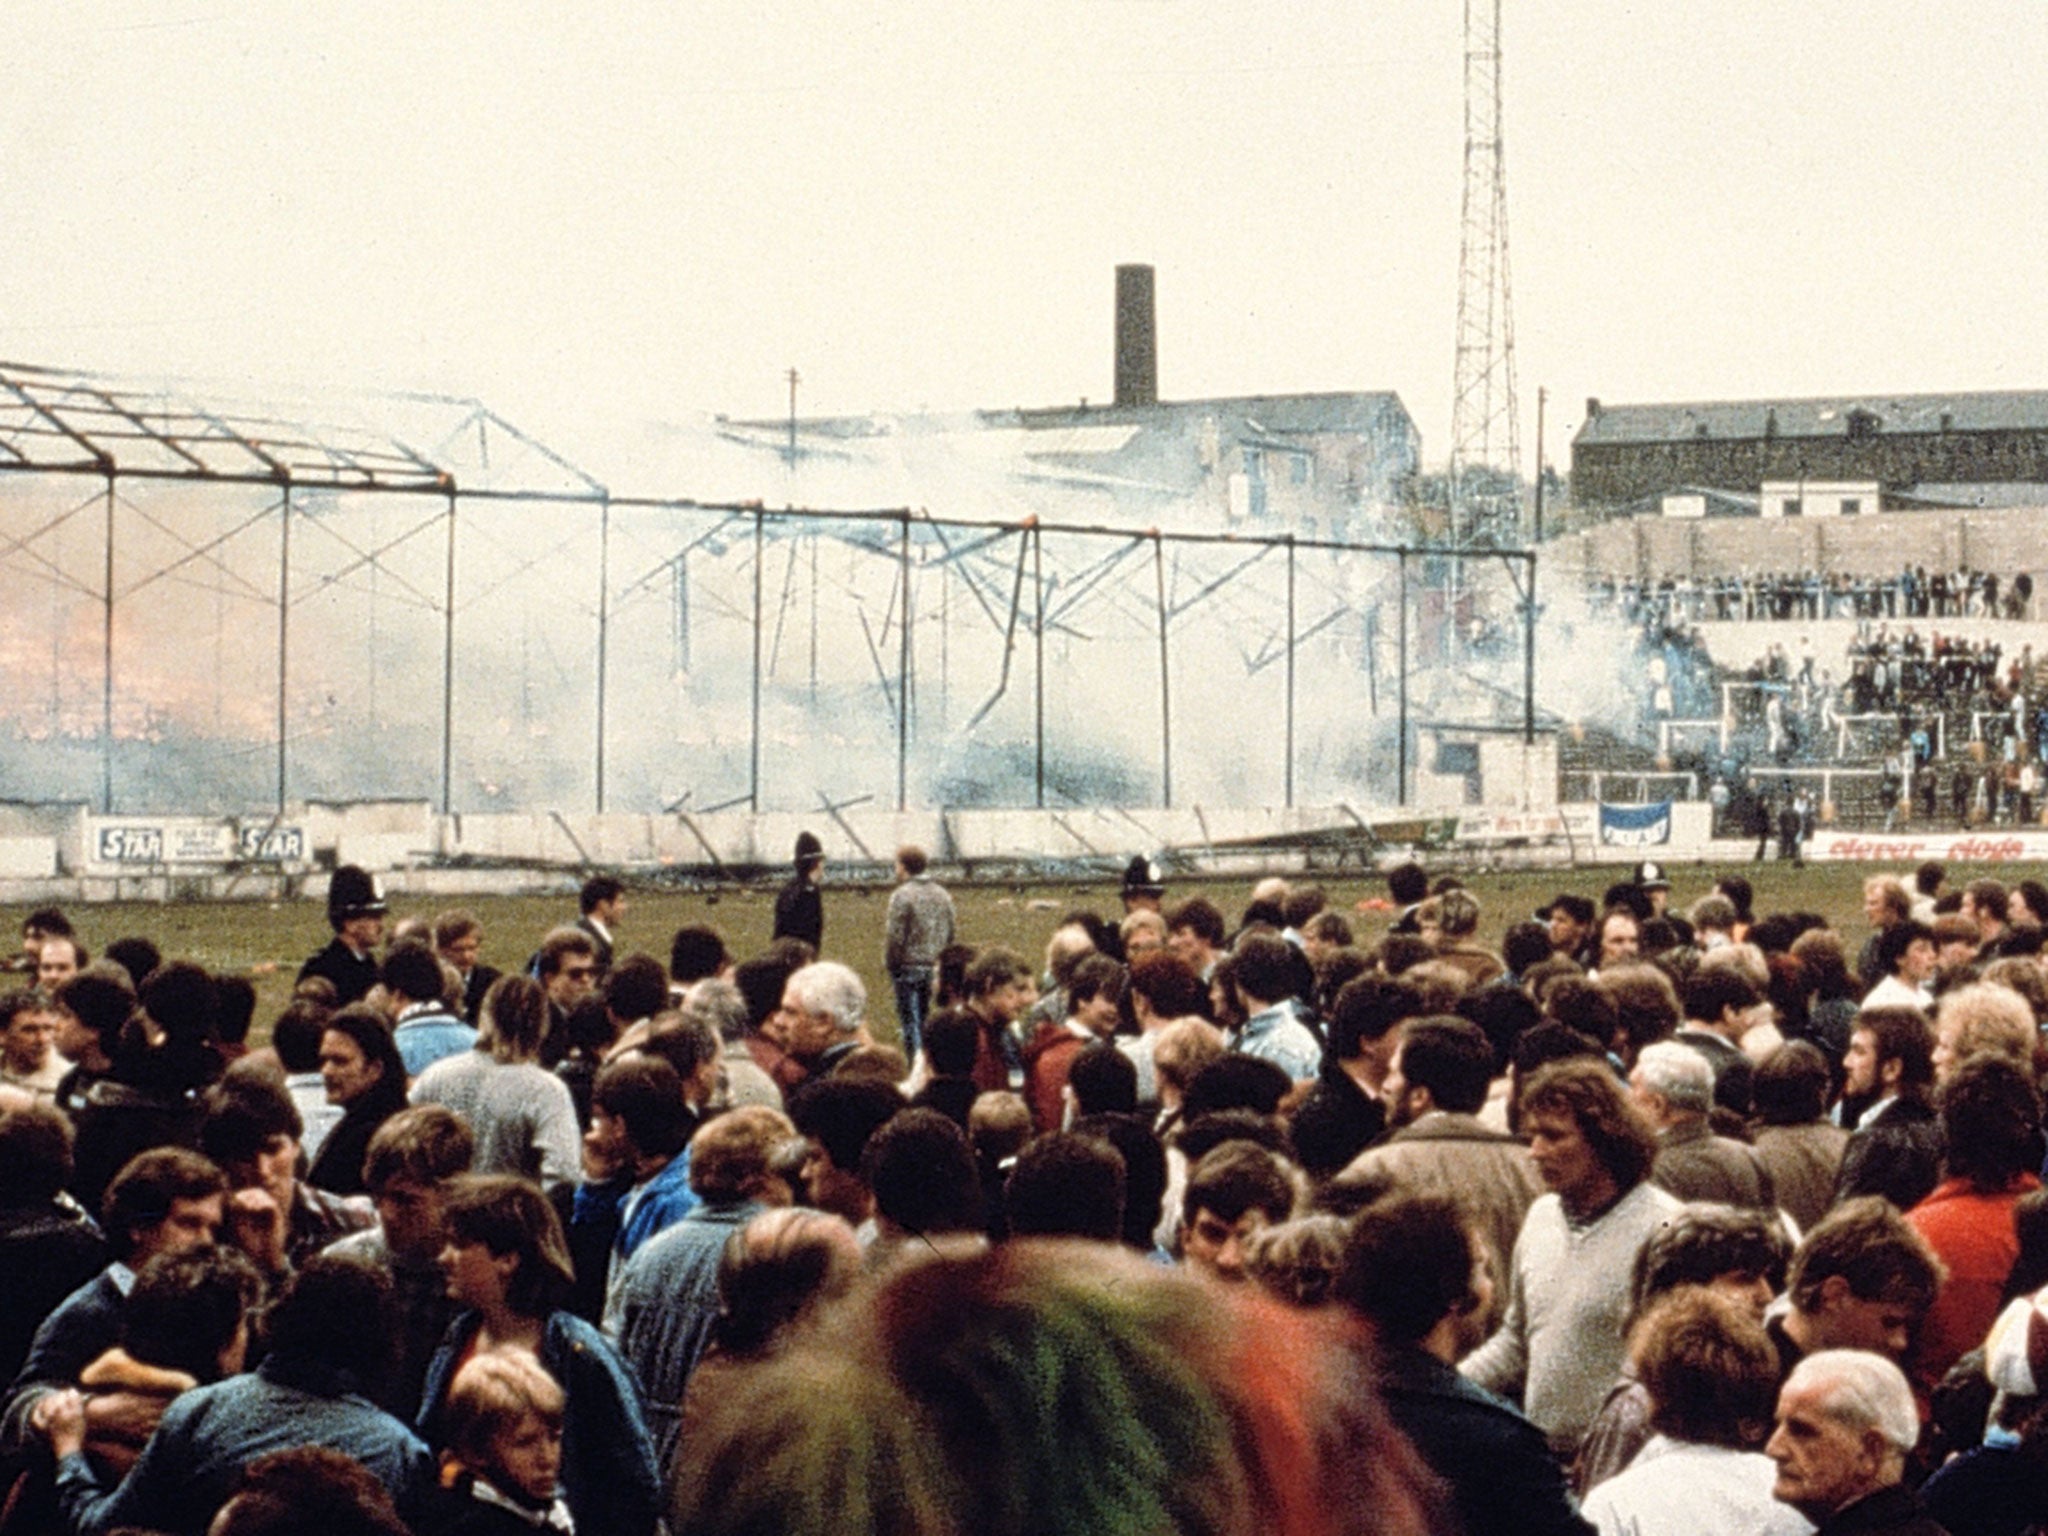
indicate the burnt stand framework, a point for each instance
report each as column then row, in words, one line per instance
column 251, row 605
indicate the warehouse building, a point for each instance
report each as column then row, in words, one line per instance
column 1718, row 458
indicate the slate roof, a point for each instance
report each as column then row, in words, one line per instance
column 1742, row 419
column 2016, row 493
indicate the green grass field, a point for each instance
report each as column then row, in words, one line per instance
column 268, row 941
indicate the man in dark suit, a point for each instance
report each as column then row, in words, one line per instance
column 1412, row 1269
column 459, row 939
column 602, row 902
column 1718, row 1005
column 1888, row 1073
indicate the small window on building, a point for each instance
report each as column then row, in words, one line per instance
column 1457, row 757
column 1255, row 483
column 1789, row 507
column 1301, row 468
column 1851, row 505
column 1460, row 759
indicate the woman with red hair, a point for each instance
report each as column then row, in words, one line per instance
column 1053, row 1389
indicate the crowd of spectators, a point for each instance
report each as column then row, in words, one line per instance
column 1963, row 733
column 1880, row 671
column 1913, row 593
column 1891, row 671
column 1651, row 1218
column 1952, row 728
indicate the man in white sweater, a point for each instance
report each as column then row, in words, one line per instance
column 1561, row 1345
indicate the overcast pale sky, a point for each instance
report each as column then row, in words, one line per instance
column 645, row 210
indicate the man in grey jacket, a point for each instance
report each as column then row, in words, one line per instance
column 920, row 925
column 1673, row 1086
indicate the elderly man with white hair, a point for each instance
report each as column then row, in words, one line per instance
column 1673, row 1085
column 824, row 1006
column 1846, row 1424
column 718, row 1003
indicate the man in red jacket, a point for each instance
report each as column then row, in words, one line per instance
column 1991, row 1124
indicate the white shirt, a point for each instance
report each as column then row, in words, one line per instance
column 1678, row 1488
column 42, row 1082
column 1894, row 993
column 308, row 1091
column 1870, row 1116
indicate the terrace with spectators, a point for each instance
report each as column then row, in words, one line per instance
column 1913, row 592
column 1892, row 689
column 1882, row 721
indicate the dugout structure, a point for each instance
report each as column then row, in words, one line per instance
column 221, row 608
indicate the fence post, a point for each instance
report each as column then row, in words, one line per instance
column 107, row 667
column 447, row 673
column 903, row 671
column 284, row 605
column 754, row 706
column 604, row 628
column 1290, row 669
column 1038, row 658
column 1165, row 680
column 1401, row 730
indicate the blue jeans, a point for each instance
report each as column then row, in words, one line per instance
column 913, row 1000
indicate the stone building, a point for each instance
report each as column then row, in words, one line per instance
column 1961, row 450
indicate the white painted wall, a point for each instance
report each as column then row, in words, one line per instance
column 1819, row 498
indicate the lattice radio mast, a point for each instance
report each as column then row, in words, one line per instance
column 1486, row 450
